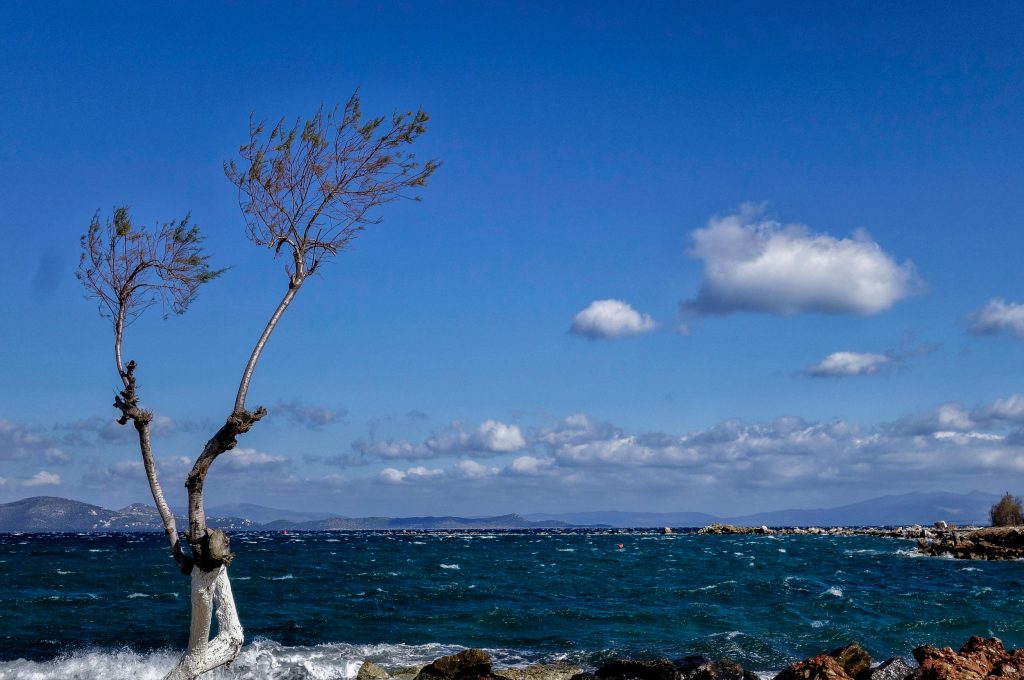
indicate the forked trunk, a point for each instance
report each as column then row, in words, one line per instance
column 210, row 589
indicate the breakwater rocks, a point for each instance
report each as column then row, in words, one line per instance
column 913, row 531
column 994, row 543
column 979, row 659
column 970, row 543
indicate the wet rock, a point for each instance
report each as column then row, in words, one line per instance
column 979, row 658
column 468, row 664
column 407, row 673
column 371, row 671
column 688, row 664
column 992, row 543
column 637, row 669
column 854, row 660
column 719, row 529
column 823, row 667
column 541, row 671
column 723, row 669
column 895, row 668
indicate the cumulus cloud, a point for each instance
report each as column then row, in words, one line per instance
column 610, row 319
column 249, row 460
column 395, row 476
column 752, row 263
column 471, row 469
column 18, row 442
column 998, row 316
column 42, row 478
column 844, row 364
column 310, row 416
column 490, row 438
column 949, row 442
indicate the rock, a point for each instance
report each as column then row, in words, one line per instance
column 723, row 669
column 941, row 525
column 468, row 664
column 895, row 668
column 541, row 671
column 637, row 669
column 371, row 671
column 977, row 659
column 667, row 530
column 688, row 664
column 407, row 673
column 822, row 667
column 854, row 660
column 584, row 676
column 992, row 543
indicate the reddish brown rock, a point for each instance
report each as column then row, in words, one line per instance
column 823, row 667
column 978, row 659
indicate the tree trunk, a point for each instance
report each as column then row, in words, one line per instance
column 210, row 589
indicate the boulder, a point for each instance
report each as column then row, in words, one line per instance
column 688, row 664
column 541, row 671
column 854, row 660
column 979, row 658
column 895, row 668
column 371, row 671
column 637, row 669
column 407, row 673
column 823, row 667
column 723, row 669
column 468, row 664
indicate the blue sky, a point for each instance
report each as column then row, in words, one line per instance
column 730, row 258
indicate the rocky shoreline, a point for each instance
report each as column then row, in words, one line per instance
column 969, row 543
column 979, row 659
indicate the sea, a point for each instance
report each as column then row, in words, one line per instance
column 316, row 605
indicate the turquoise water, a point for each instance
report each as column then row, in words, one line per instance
column 329, row 599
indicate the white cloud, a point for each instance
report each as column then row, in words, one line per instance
column 248, row 460
column 1008, row 410
column 394, row 476
column 474, row 470
column 42, row 478
column 840, row 364
column 755, row 264
column 490, row 438
column 610, row 319
column 530, row 465
column 998, row 316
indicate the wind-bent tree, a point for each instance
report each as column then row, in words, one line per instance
column 1008, row 512
column 306, row 190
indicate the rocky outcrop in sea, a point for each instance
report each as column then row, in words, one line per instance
column 979, row 659
column 993, row 543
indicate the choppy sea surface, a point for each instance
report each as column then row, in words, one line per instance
column 315, row 605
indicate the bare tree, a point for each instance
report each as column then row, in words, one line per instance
column 306, row 190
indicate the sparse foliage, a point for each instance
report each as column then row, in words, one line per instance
column 308, row 189
column 312, row 186
column 1008, row 512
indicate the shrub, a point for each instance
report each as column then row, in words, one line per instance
column 1007, row 512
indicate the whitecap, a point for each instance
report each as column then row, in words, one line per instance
column 450, row 566
column 834, row 591
column 135, row 595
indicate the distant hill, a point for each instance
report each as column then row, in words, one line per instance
column 910, row 508
column 629, row 519
column 50, row 513
column 512, row 521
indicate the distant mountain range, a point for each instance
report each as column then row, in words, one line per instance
column 49, row 513
column 910, row 508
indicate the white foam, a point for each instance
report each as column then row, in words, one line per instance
column 263, row 659
column 834, row 591
column 450, row 566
